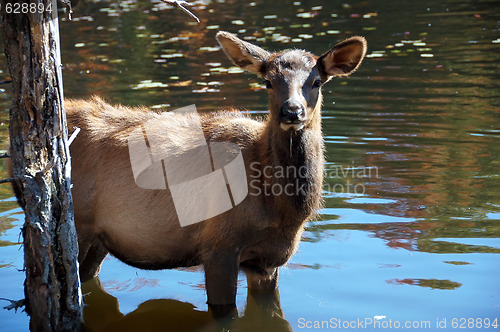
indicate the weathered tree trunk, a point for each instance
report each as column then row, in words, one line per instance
column 41, row 166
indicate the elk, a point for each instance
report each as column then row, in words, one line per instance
column 140, row 226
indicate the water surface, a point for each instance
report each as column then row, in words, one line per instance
column 410, row 231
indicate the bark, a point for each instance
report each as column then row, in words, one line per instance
column 41, row 168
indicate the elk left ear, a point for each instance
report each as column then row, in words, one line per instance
column 243, row 54
column 343, row 59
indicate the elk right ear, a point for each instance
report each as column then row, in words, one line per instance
column 243, row 54
column 344, row 58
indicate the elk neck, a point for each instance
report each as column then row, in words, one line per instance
column 300, row 155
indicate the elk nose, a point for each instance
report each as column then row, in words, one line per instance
column 292, row 112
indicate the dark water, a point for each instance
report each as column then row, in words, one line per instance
column 410, row 232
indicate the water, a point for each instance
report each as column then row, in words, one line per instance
column 410, row 231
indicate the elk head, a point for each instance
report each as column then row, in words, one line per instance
column 294, row 78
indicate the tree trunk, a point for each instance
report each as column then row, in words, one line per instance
column 41, row 165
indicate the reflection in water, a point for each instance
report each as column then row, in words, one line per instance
column 431, row 283
column 426, row 236
column 101, row 313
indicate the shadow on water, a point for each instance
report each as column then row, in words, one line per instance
column 102, row 313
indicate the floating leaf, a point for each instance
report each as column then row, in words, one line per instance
column 374, row 55
column 159, row 106
column 254, row 86
column 173, row 55
column 235, row 70
column 205, row 90
column 182, row 83
column 209, row 49
column 305, row 15
column 148, row 84
column 269, row 29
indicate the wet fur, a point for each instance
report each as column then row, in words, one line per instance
column 102, row 172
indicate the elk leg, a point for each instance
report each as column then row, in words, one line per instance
column 91, row 264
column 265, row 279
column 221, row 276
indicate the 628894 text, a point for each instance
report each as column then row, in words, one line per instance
column 474, row 323
column 27, row 8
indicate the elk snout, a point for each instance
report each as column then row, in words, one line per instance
column 293, row 115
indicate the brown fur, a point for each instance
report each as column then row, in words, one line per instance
column 140, row 226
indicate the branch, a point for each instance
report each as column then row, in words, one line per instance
column 180, row 4
column 7, row 181
column 68, row 4
column 73, row 136
column 14, row 304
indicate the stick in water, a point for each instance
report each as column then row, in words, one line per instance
column 180, row 4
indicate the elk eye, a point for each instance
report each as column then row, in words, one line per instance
column 317, row 83
column 268, row 84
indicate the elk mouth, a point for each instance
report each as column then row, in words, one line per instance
column 296, row 125
column 292, row 116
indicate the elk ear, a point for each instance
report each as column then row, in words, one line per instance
column 344, row 58
column 243, row 54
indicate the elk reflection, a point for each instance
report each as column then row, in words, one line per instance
column 101, row 313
